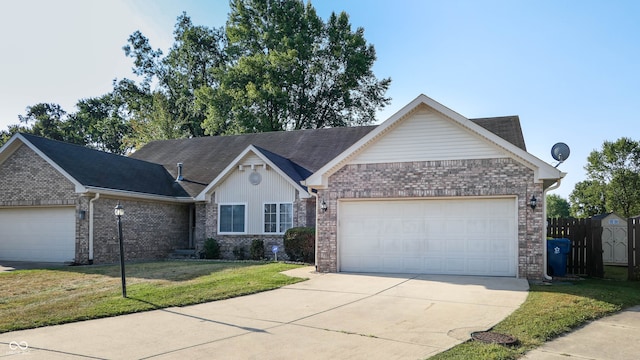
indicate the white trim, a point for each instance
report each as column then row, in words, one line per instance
column 246, row 217
column 235, row 164
column 91, row 225
column 542, row 170
column 137, row 195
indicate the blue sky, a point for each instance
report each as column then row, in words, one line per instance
column 569, row 69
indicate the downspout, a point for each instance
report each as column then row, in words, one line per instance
column 315, row 252
column 544, row 217
column 91, row 227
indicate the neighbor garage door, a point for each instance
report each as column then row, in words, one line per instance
column 453, row 236
column 37, row 234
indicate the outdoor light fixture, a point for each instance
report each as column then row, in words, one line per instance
column 533, row 202
column 323, row 206
column 119, row 211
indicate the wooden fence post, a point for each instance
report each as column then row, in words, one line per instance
column 633, row 231
column 596, row 259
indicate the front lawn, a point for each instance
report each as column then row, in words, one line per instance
column 551, row 310
column 34, row 298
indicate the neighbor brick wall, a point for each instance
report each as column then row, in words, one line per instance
column 433, row 179
column 151, row 229
column 28, row 180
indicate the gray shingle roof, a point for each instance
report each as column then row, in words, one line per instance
column 153, row 168
column 104, row 170
column 507, row 127
column 206, row 157
column 297, row 153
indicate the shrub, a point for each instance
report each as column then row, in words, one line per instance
column 256, row 251
column 299, row 244
column 211, row 249
column 239, row 253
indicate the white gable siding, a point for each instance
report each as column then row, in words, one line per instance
column 427, row 135
column 236, row 188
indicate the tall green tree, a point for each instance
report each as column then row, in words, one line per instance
column 588, row 199
column 163, row 104
column 51, row 121
column 557, row 207
column 288, row 70
column 98, row 124
column 614, row 180
column 104, row 123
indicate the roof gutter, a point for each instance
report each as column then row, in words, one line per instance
column 91, row 227
column 544, row 217
column 133, row 194
column 315, row 250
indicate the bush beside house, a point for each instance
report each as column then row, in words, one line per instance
column 299, row 244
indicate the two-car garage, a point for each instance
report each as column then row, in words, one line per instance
column 37, row 234
column 470, row 236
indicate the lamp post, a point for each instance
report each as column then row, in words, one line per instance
column 119, row 211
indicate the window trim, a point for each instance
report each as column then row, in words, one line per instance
column 220, row 218
column 277, row 204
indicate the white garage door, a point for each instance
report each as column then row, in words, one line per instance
column 37, row 234
column 466, row 236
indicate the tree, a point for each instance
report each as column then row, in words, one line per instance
column 97, row 124
column 50, row 121
column 288, row 70
column 614, row 180
column 103, row 123
column 170, row 109
column 557, row 207
column 587, row 199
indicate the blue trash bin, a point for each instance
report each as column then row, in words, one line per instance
column 557, row 250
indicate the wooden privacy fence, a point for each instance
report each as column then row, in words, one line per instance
column 585, row 257
column 633, row 246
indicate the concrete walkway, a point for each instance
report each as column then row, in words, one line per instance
column 615, row 337
column 331, row 316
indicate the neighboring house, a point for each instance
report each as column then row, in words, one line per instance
column 427, row 191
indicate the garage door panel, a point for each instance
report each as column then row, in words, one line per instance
column 453, row 236
column 37, row 234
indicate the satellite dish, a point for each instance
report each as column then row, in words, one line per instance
column 560, row 152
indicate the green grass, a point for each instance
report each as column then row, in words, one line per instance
column 34, row 298
column 552, row 310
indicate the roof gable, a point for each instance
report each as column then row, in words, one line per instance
column 93, row 169
column 288, row 170
column 426, row 135
column 542, row 170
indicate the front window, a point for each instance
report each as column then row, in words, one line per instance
column 278, row 218
column 232, row 218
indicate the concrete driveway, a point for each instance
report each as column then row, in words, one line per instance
column 331, row 316
column 6, row 265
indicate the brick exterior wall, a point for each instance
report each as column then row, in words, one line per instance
column 433, row 179
column 207, row 227
column 151, row 229
column 28, row 180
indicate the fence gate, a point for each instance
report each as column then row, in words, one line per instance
column 585, row 257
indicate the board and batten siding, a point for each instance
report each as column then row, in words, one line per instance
column 237, row 189
column 424, row 136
